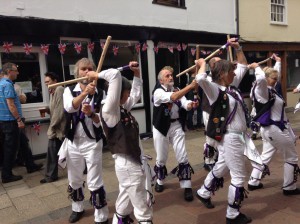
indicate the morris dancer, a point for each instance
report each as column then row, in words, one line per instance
column 122, row 132
column 275, row 130
column 227, row 124
column 167, row 129
column 84, row 144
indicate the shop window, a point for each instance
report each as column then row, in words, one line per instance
column 173, row 3
column 119, row 53
column 31, row 71
column 293, row 69
column 278, row 11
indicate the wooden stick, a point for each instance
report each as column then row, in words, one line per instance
column 106, row 45
column 108, row 39
column 230, row 49
column 264, row 61
column 207, row 58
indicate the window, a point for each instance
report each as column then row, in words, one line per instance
column 293, row 69
column 278, row 11
column 174, row 3
column 29, row 78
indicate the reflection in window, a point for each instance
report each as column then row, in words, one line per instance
column 293, row 69
column 29, row 78
column 120, row 53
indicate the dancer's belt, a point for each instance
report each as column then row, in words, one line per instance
column 173, row 120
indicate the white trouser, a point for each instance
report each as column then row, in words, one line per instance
column 231, row 157
column 274, row 139
column 209, row 140
column 133, row 194
column 80, row 152
column 176, row 137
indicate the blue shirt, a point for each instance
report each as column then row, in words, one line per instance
column 7, row 91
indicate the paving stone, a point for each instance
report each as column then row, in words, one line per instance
column 5, row 201
column 30, row 206
column 9, row 215
column 18, row 190
column 55, row 201
column 44, row 190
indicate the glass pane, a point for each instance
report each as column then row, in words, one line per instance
column 293, row 69
column 70, row 56
column 29, row 78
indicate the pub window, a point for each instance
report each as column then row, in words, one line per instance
column 293, row 69
column 173, row 3
column 278, row 11
column 31, row 69
column 119, row 54
column 70, row 57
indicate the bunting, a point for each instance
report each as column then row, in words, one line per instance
column 7, row 47
column 91, row 46
column 45, row 48
column 27, row 48
column 62, row 48
column 115, row 50
column 78, row 47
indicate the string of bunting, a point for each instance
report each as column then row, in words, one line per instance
column 77, row 47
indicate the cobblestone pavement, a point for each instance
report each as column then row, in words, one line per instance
column 27, row 201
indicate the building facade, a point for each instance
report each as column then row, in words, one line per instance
column 271, row 26
column 47, row 35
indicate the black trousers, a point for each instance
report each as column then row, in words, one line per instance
column 24, row 152
column 52, row 158
column 11, row 136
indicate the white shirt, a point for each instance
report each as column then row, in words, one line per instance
column 161, row 96
column 68, row 106
column 111, row 107
column 211, row 89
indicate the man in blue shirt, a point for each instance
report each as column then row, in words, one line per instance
column 10, row 121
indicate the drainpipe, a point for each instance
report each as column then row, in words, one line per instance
column 237, row 17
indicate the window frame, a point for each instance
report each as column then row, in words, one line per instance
column 284, row 22
column 31, row 109
column 130, row 43
column 181, row 5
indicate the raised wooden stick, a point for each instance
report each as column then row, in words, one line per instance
column 108, row 39
column 206, row 59
column 264, row 61
column 197, row 54
column 230, row 49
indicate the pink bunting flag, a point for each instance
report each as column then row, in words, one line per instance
column 7, row 47
column 137, row 47
column 102, row 44
column 45, row 48
column 155, row 49
column 37, row 127
column 115, row 50
column 78, row 47
column 27, row 48
column 62, row 48
column 145, row 46
column 178, row 47
column 91, row 46
column 171, row 49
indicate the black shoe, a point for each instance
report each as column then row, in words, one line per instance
column 105, row 222
column 159, row 188
column 291, row 192
column 253, row 187
column 240, row 219
column 188, row 194
column 11, row 178
column 75, row 216
column 208, row 167
column 34, row 168
column 207, row 202
column 48, row 180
